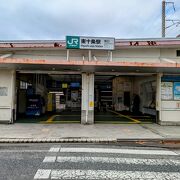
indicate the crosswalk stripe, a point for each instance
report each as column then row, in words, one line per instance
column 119, row 151
column 106, row 174
column 54, row 149
column 115, row 175
column 79, row 159
column 42, row 174
column 49, row 159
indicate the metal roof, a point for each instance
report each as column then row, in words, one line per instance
column 116, row 40
column 119, row 43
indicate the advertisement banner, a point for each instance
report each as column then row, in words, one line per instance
column 176, row 90
column 166, row 90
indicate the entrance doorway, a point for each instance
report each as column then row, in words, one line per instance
column 128, row 99
column 48, row 98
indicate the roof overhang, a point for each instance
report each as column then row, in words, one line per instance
column 87, row 66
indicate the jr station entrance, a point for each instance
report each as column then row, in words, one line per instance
column 90, row 80
column 57, row 98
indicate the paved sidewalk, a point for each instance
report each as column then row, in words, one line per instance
column 110, row 132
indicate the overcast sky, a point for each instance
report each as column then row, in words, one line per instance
column 54, row 19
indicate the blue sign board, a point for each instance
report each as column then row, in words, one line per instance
column 170, row 78
column 176, row 90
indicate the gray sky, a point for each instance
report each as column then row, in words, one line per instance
column 54, row 19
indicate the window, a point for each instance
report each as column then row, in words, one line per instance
column 3, row 91
column 178, row 53
column 24, row 85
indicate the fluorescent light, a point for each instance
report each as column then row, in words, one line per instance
column 57, row 92
column 6, row 55
column 168, row 60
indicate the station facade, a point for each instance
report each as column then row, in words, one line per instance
column 135, row 79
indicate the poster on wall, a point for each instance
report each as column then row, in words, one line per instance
column 176, row 90
column 166, row 90
column 74, row 96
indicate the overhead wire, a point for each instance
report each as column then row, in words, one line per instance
column 170, row 17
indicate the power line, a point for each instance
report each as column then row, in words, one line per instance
column 174, row 22
column 172, row 29
column 164, row 20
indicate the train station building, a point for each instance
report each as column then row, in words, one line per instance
column 90, row 80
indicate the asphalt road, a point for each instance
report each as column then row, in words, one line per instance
column 85, row 161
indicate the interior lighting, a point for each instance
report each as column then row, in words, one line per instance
column 168, row 60
column 57, row 92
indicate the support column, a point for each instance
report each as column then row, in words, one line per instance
column 87, row 103
column 158, row 97
column 7, row 96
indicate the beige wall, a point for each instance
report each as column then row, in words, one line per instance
column 170, row 112
column 130, row 54
column 7, row 101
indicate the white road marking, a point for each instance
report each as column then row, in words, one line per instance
column 107, row 174
column 115, row 175
column 23, row 151
column 54, row 149
column 42, row 174
column 49, row 159
column 118, row 151
column 177, row 151
column 115, row 160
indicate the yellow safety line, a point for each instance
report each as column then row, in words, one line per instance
column 68, row 115
column 121, row 115
column 114, row 122
column 56, row 122
column 140, row 116
column 104, row 115
column 51, row 119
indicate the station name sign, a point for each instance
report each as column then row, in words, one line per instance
column 82, row 42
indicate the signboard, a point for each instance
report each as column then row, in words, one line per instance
column 91, row 104
column 50, row 102
column 80, row 42
column 64, row 85
column 75, row 85
column 176, row 90
column 168, row 78
column 166, row 90
column 74, row 96
column 72, row 42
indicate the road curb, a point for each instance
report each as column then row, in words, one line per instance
column 59, row 140
column 162, row 140
column 145, row 142
column 161, row 143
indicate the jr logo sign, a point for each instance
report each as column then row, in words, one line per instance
column 72, row 42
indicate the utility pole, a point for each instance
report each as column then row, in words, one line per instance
column 163, row 18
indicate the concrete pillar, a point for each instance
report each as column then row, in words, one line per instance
column 158, row 97
column 87, row 102
column 7, row 96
